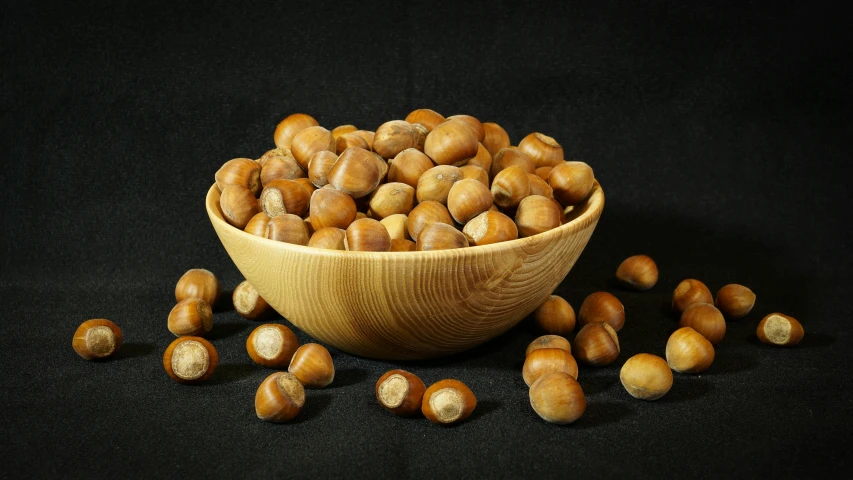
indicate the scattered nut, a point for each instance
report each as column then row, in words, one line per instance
column 688, row 292
column 596, row 345
column 272, row 345
column 546, row 360
column 190, row 360
column 735, row 301
column 687, row 351
column 638, row 272
column 602, row 307
column 97, row 339
column 646, row 376
column 549, row 341
column 198, row 283
column 705, row 319
column 400, row 392
column 248, row 303
column 192, row 316
column 556, row 316
column 557, row 398
column 780, row 330
column 448, row 402
column 312, row 365
column 279, row 398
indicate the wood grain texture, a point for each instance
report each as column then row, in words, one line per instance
column 408, row 305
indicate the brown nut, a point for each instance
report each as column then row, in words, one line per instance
column 495, row 138
column 329, row 238
column 440, row 236
column 543, row 150
column 331, row 208
column 279, row 398
column 510, row 186
column 427, row 213
column 451, row 143
column 310, row 141
column 367, row 136
column 342, row 130
column 543, row 172
column 490, row 227
column 395, row 136
column 557, row 398
column 288, row 228
column 285, row 196
column 448, row 402
column 475, row 173
column 190, row 360
column 435, row 183
column 482, row 159
column 537, row 214
column 426, row 117
column 472, row 122
column 539, row 186
column 312, row 365
column 306, row 184
column 468, row 198
column 555, row 315
column 408, row 166
column 403, row 245
column 396, row 226
column 646, row 376
column 192, row 316
column 638, row 272
column 509, row 156
column 548, row 360
column 392, row 198
column 244, row 172
column 687, row 351
column 248, row 303
column 705, row 319
column 318, row 167
column 367, row 235
column 688, row 292
column 596, row 345
column 279, row 164
column 238, row 205
column 548, row 341
column 97, row 339
column 400, row 392
column 735, row 301
column 351, row 140
column 780, row 330
column 258, row 224
column 602, row 307
column 290, row 126
column 572, row 182
column 272, row 345
column 198, row 283
column 356, row 172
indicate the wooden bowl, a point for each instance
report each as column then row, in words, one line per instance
column 408, row 305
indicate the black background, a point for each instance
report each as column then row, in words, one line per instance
column 719, row 131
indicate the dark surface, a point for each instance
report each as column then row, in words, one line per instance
column 721, row 135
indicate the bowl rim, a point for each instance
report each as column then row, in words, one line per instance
column 592, row 213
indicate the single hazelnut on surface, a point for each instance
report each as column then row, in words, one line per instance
column 735, row 301
column 329, row 238
column 312, row 365
column 356, row 172
column 544, row 150
column 272, row 345
column 539, row 186
column 596, row 345
column 511, row 156
column 448, row 402
column 646, row 376
column 688, row 292
column 395, row 136
column 244, row 172
column 490, row 227
column 192, row 316
column 238, row 205
column 348, row 140
column 548, row 341
column 638, row 272
column 403, row 245
column 290, row 126
column 543, row 172
column 555, row 316
column 288, row 228
column 318, row 167
column 400, row 392
column 537, row 214
column 557, row 398
column 547, row 360
column 427, row 213
column 331, row 208
column 440, row 236
column 392, row 198
column 426, row 117
column 468, row 198
column 258, row 224
column 451, row 143
column 571, row 181
column 190, row 360
column 435, row 183
column 687, row 351
column 510, row 186
column 475, row 173
column 705, row 319
column 408, row 166
column 248, row 303
column 472, row 122
column 343, row 129
column 279, row 398
column 780, row 330
column 482, row 159
column 310, row 141
column 495, row 137
column 396, row 226
column 602, row 307
column 198, row 283
column 97, row 339
column 285, row 196
column 279, row 164
column 367, row 235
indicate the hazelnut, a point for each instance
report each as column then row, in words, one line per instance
column 537, row 214
column 548, row 341
column 735, row 301
column 310, row 141
column 367, row 235
column 426, row 117
column 596, row 345
column 543, row 172
column 367, row 136
column 472, row 122
column 288, row 228
column 542, row 149
column 482, row 159
column 290, row 126
column 555, row 315
column 646, row 376
column 780, row 330
column 475, row 173
column 440, row 236
column 688, row 292
column 318, row 167
column 192, row 316
column 547, row 360
column 495, row 137
column 687, row 351
column 272, row 345
column 396, row 226
column 343, row 129
column 540, row 187
column 238, row 205
column 510, row 186
column 403, row 245
column 97, row 339
column 190, row 360
column 356, row 172
column 395, row 136
column 602, row 307
column 490, row 227
column 312, row 365
column 351, row 140
column 329, row 238
column 451, row 143
column 331, row 208
column 248, row 303
column 705, row 319
column 198, row 283
column 557, row 398
column 448, row 402
column 244, row 172
column 279, row 398
column 285, row 196
column 468, row 198
column 638, row 272
column 427, row 213
column 435, row 183
column 392, row 198
column 509, row 156
column 400, row 392
column 279, row 164
column 258, row 224
column 408, row 166
column 306, row 184
column 572, row 182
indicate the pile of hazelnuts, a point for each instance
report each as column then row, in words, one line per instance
column 423, row 183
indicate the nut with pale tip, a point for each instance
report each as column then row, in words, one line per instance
column 448, row 402
column 400, row 392
column 288, row 228
column 190, row 360
column 285, row 196
column 490, row 227
column 272, row 345
column 192, row 316
column 780, row 330
column 279, row 398
column 248, row 303
column 97, row 339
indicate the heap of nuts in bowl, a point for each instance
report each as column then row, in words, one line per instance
column 423, row 183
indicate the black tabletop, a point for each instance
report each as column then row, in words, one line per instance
column 720, row 133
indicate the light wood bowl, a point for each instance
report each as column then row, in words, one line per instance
column 408, row 305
